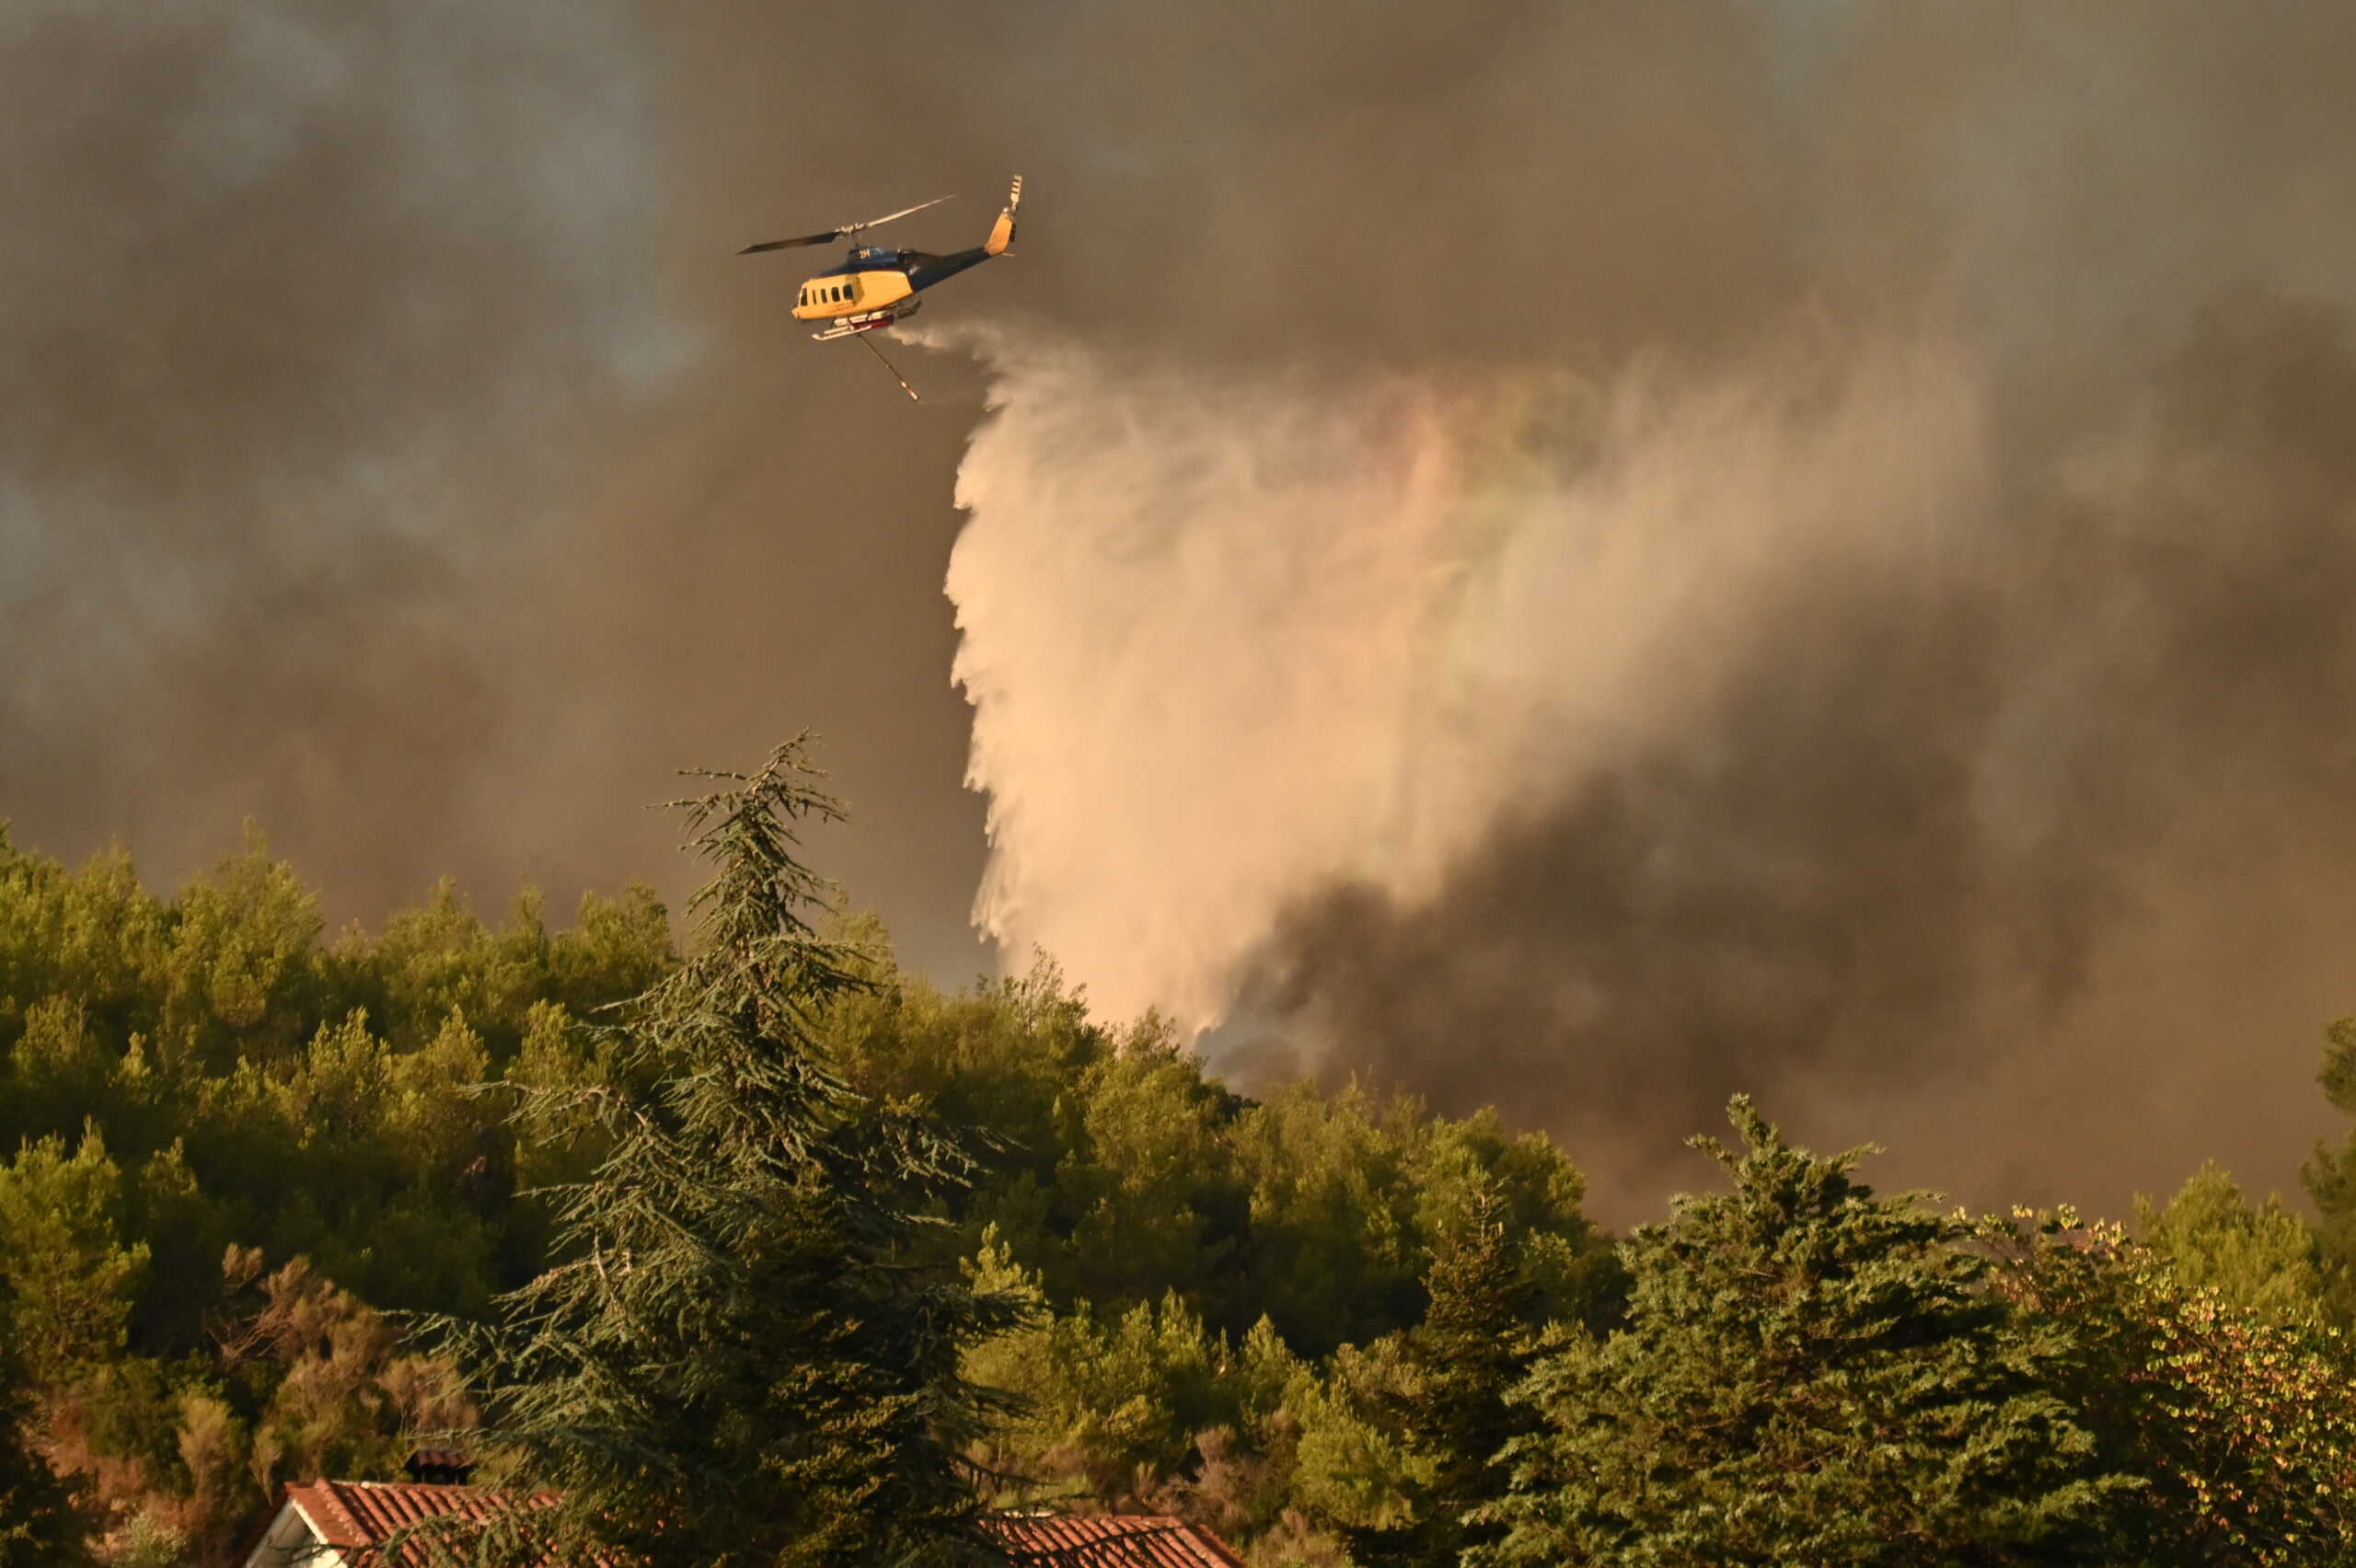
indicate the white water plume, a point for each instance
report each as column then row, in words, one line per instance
column 1230, row 642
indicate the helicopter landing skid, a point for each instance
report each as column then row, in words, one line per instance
column 850, row 325
column 860, row 326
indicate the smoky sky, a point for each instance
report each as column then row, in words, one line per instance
column 1978, row 867
column 300, row 306
column 1580, row 556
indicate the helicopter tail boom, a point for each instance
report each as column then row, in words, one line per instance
column 1002, row 230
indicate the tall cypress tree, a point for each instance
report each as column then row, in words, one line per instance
column 742, row 1357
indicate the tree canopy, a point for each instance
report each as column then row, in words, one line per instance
column 753, row 1226
column 738, row 1357
column 1809, row 1373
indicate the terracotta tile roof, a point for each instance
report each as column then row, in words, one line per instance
column 362, row 1513
column 1113, row 1540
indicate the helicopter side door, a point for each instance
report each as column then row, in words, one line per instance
column 850, row 293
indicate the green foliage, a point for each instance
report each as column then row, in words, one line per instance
column 2260, row 1261
column 180, row 1074
column 319, row 1100
column 70, row 1281
column 2241, row 1420
column 1475, row 1344
column 1109, row 1405
column 741, row 1359
column 440, row 959
column 1147, row 1192
column 1119, row 1170
column 1294, row 1318
column 1809, row 1374
column 1148, row 1410
column 1359, row 1466
column 2330, row 1173
column 253, row 1085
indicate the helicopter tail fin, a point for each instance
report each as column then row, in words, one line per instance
column 1002, row 230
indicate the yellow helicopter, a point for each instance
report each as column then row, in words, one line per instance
column 874, row 287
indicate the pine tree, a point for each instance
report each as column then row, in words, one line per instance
column 742, row 1359
column 2260, row 1259
column 1809, row 1374
column 1473, row 1347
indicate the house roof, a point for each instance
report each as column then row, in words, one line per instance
column 360, row 1515
column 357, row 1518
column 363, row 1513
column 1113, row 1540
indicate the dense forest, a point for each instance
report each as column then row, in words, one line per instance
column 278, row 1203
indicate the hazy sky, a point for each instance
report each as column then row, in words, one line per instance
column 1586, row 556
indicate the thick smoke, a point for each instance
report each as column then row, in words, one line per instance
column 393, row 448
column 298, row 305
column 1896, row 661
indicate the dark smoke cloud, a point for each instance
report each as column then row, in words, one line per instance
column 1977, row 865
column 299, row 306
column 394, row 450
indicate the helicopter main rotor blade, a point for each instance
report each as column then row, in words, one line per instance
column 842, row 232
column 790, row 244
column 854, row 228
